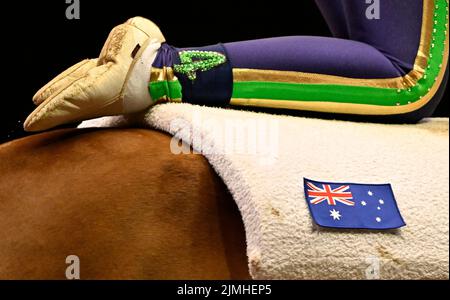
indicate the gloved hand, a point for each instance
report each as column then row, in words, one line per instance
column 115, row 83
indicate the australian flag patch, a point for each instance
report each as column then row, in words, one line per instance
column 352, row 205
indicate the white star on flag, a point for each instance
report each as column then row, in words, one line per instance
column 370, row 193
column 335, row 214
column 381, row 201
column 363, row 203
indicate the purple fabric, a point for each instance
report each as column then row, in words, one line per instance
column 212, row 87
column 321, row 55
column 396, row 34
column 333, row 13
column 369, row 48
column 361, row 48
column 166, row 56
column 366, row 48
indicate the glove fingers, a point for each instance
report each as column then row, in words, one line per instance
column 87, row 97
column 63, row 80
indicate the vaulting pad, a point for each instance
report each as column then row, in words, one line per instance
column 263, row 159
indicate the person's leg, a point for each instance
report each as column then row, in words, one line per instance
column 396, row 34
column 391, row 66
column 334, row 14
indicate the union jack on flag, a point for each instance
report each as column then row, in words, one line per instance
column 332, row 196
column 352, row 205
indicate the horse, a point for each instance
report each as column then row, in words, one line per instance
column 120, row 201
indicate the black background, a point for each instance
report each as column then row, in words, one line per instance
column 281, row 289
column 40, row 41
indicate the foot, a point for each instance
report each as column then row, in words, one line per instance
column 114, row 83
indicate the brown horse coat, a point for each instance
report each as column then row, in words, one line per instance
column 120, row 201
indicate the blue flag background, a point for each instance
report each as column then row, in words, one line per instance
column 370, row 206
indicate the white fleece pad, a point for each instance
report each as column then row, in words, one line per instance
column 263, row 158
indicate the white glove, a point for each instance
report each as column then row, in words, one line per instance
column 115, row 83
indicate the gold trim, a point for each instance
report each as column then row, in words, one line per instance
column 402, row 82
column 362, row 109
column 162, row 74
column 242, row 75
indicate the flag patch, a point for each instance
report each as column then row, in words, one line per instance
column 352, row 205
